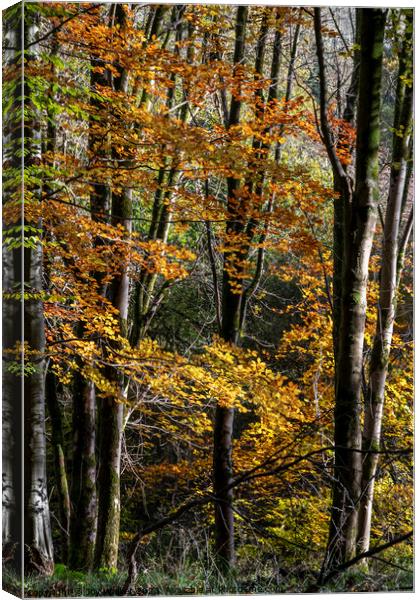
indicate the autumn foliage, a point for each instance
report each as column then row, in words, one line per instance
column 157, row 211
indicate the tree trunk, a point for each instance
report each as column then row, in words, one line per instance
column 359, row 226
column 110, row 409
column 57, row 441
column 341, row 186
column 231, row 313
column 110, row 435
column 223, row 477
column 12, row 313
column 38, row 551
column 38, row 555
column 111, row 413
column 83, row 492
column 83, row 487
column 145, row 287
column 389, row 279
column 12, row 410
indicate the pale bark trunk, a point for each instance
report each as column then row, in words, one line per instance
column 12, row 400
column 12, row 412
column 38, row 554
column 359, row 226
column 389, row 280
column 38, row 550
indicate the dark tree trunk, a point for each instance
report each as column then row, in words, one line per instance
column 83, row 491
column 223, row 476
column 83, row 477
column 60, row 472
column 231, row 314
column 111, row 413
column 111, row 409
column 110, row 435
column 341, row 186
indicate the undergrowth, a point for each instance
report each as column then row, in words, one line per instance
column 195, row 578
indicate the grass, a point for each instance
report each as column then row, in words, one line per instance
column 65, row 583
column 194, row 577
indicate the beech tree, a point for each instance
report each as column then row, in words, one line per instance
column 12, row 331
column 231, row 307
column 359, row 214
column 216, row 265
column 396, row 234
column 25, row 418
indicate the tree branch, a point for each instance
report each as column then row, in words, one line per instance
column 370, row 553
column 325, row 127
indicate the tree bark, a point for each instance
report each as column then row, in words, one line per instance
column 12, row 308
column 83, row 477
column 342, row 187
column 38, row 550
column 231, row 313
column 83, row 491
column 110, row 409
column 391, row 264
column 109, row 506
column 111, row 412
column 60, row 472
column 359, row 226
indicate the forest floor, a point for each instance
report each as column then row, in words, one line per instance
column 65, row 583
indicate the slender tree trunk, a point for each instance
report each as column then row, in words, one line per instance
column 109, row 506
column 111, row 413
column 57, row 441
column 341, row 186
column 83, row 477
column 83, row 491
column 144, row 305
column 51, row 384
column 111, row 409
column 359, row 224
column 38, row 552
column 231, row 313
column 392, row 260
column 12, row 308
column 291, row 68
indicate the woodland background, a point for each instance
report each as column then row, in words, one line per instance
column 214, row 265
